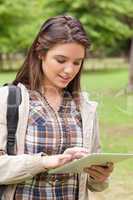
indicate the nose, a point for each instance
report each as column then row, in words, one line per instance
column 69, row 69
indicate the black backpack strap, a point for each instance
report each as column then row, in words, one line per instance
column 13, row 102
column 2, row 189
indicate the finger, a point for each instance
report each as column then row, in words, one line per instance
column 103, row 169
column 65, row 156
column 96, row 171
column 92, row 173
column 62, row 162
column 95, row 175
column 110, row 166
column 75, row 150
column 81, row 149
column 79, row 155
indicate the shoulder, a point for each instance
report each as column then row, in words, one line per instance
column 3, row 104
column 23, row 87
column 24, row 95
column 24, row 91
column 4, row 91
column 3, row 94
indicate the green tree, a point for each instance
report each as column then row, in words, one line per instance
column 18, row 22
column 103, row 20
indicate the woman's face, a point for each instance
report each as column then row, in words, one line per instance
column 61, row 64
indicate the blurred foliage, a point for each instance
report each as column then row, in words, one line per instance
column 18, row 24
column 108, row 23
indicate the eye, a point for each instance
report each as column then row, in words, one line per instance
column 77, row 63
column 61, row 61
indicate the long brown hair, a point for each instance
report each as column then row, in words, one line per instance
column 56, row 30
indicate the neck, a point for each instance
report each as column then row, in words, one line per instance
column 52, row 91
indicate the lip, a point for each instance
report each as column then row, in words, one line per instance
column 64, row 78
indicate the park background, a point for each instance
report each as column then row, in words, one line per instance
column 108, row 72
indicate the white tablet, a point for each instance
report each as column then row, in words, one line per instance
column 77, row 166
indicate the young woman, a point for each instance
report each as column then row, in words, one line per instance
column 57, row 123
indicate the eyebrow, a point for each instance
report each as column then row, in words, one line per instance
column 68, row 57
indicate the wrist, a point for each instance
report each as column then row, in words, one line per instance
column 44, row 155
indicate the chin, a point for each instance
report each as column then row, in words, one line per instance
column 62, row 86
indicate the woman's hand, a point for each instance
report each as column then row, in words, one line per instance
column 54, row 161
column 69, row 154
column 99, row 173
column 76, row 152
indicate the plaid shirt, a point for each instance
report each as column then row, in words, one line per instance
column 51, row 132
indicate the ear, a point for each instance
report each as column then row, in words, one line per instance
column 41, row 55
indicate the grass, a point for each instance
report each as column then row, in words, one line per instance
column 116, row 125
column 6, row 77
